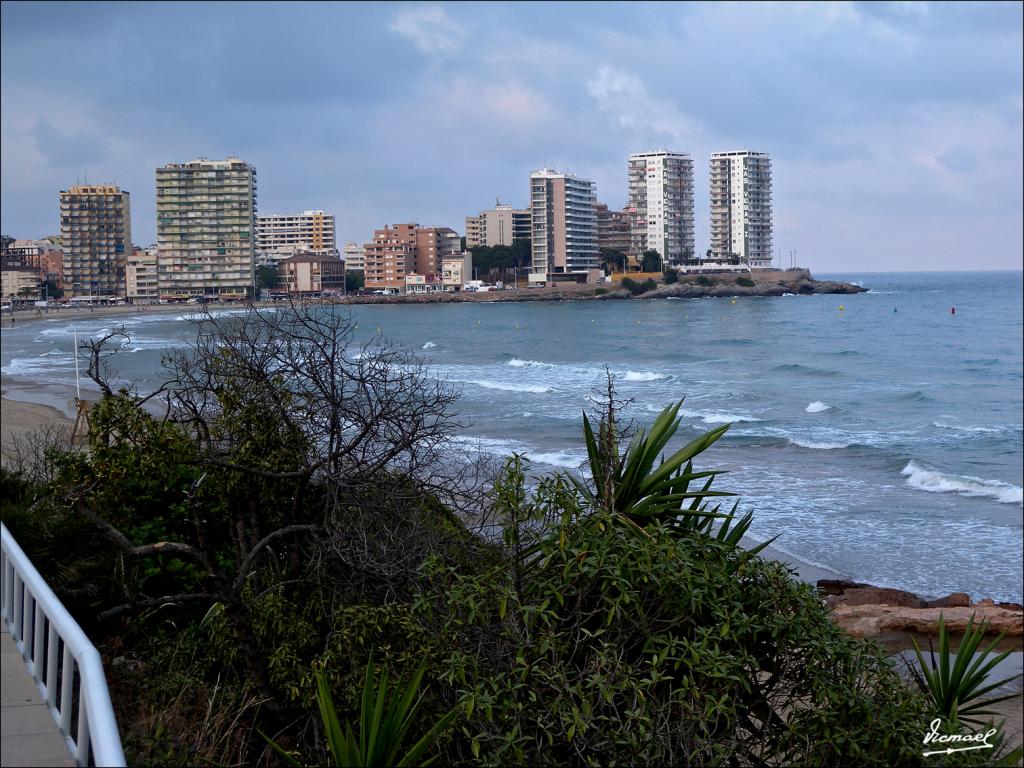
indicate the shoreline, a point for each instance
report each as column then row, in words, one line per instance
column 27, row 406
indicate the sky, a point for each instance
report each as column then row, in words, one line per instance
column 894, row 129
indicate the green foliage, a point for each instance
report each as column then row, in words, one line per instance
column 385, row 724
column 703, row 280
column 746, row 282
column 651, row 261
column 266, row 277
column 355, row 279
column 614, row 260
column 600, row 291
column 671, row 276
column 500, row 257
column 636, row 288
column 956, row 690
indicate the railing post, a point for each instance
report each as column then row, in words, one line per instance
column 67, row 682
column 51, row 666
column 82, row 742
column 37, row 646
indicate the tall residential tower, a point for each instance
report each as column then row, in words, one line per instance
column 564, row 223
column 741, row 207
column 501, row 225
column 206, row 228
column 96, row 234
column 279, row 236
column 661, row 204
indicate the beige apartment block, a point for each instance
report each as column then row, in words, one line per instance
column 96, row 236
column 311, row 273
column 19, row 283
column 279, row 236
column 353, row 255
column 141, row 276
column 501, row 225
column 456, row 270
column 741, row 207
column 613, row 229
column 206, row 224
column 660, row 204
column 564, row 237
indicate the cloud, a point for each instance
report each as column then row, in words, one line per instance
column 429, row 28
column 625, row 97
column 61, row 148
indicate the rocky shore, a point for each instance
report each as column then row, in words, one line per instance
column 795, row 282
column 864, row 610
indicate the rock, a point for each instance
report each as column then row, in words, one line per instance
column 1011, row 606
column 954, row 600
column 838, row 586
column 878, row 596
column 874, row 620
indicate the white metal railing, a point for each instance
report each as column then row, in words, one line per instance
column 40, row 625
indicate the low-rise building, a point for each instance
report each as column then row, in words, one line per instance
column 20, row 283
column 141, row 276
column 311, row 273
column 456, row 270
column 501, row 225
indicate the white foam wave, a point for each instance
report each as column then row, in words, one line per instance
column 944, row 425
column 429, row 345
column 816, row 445
column 720, row 417
column 564, row 459
column 508, row 387
column 817, row 407
column 965, row 485
column 643, row 376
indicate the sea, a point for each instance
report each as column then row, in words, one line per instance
column 878, row 435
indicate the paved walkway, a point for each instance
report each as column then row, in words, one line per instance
column 28, row 735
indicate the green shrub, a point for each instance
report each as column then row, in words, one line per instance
column 703, row 280
column 600, row 291
column 746, row 282
column 671, row 276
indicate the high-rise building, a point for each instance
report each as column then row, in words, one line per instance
column 661, row 204
column 96, row 235
column 279, row 236
column 353, row 255
column 613, row 229
column 564, row 223
column 741, row 207
column 407, row 249
column 206, row 224
column 501, row 225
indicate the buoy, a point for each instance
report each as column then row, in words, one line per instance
column 378, row 330
column 895, row 310
column 841, row 307
column 952, row 311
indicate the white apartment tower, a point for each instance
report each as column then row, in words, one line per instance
column 206, row 228
column 353, row 255
column 741, row 207
column 280, row 236
column 661, row 204
column 564, row 221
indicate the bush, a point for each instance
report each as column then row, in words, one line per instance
column 671, row 276
column 746, row 282
column 704, row 280
column 600, row 291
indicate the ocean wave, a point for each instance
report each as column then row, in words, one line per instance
column 944, row 425
column 643, row 376
column 816, row 445
column 720, row 417
column 565, row 459
column 916, row 396
column 429, row 345
column 965, row 485
column 508, row 387
column 803, row 370
column 817, row 407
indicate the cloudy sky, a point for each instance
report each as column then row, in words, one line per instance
column 895, row 129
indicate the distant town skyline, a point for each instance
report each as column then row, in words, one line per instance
column 895, row 129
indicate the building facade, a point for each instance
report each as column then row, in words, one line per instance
column 353, row 254
column 456, row 270
column 311, row 273
column 20, row 283
column 661, row 204
column 501, row 225
column 564, row 223
column 279, row 236
column 96, row 236
column 613, row 229
column 206, row 224
column 741, row 207
column 407, row 249
column 141, row 279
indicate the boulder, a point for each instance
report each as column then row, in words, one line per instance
column 954, row 600
column 875, row 596
column 838, row 586
column 875, row 620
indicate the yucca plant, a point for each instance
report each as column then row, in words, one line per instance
column 385, row 723
column 640, row 490
column 955, row 689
